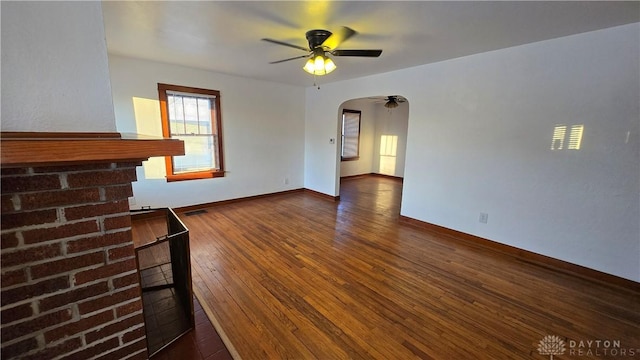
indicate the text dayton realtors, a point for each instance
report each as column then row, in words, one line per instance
column 600, row 348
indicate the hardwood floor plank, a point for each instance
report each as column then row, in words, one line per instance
column 294, row 276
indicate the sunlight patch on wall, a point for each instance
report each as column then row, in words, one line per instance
column 560, row 136
column 388, row 150
column 575, row 137
column 147, row 114
column 559, row 133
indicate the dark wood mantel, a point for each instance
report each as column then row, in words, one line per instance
column 56, row 148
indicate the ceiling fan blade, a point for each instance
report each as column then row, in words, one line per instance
column 363, row 53
column 286, row 44
column 293, row 58
column 338, row 37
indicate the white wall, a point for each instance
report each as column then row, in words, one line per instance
column 262, row 125
column 55, row 75
column 479, row 137
column 367, row 137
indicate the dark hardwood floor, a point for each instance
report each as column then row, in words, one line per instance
column 295, row 276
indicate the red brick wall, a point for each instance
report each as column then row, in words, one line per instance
column 68, row 270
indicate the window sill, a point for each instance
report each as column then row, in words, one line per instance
column 195, row 176
column 350, row 158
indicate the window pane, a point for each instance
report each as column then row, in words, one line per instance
column 198, row 154
column 204, row 114
column 190, row 115
column 176, row 116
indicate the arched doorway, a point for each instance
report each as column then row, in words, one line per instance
column 380, row 130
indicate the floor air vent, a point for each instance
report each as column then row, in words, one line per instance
column 195, row 212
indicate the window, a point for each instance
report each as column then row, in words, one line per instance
column 192, row 115
column 350, row 135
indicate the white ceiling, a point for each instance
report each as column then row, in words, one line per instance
column 224, row 36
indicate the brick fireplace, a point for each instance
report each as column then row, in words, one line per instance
column 69, row 284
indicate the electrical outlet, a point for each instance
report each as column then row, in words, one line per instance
column 132, row 200
column 484, row 218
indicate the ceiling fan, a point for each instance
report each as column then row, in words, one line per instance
column 391, row 101
column 322, row 42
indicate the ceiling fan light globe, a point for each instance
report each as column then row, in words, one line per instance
column 391, row 104
column 310, row 67
column 319, row 65
column 329, row 65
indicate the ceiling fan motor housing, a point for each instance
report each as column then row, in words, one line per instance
column 317, row 37
column 322, row 42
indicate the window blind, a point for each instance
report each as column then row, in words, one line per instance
column 350, row 134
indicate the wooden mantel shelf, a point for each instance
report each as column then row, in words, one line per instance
column 19, row 149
